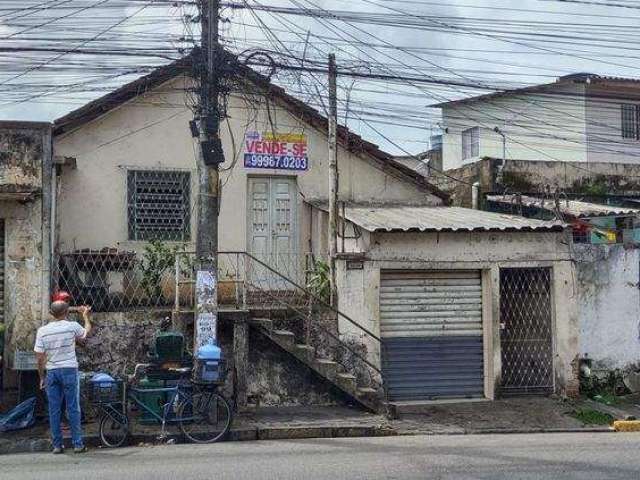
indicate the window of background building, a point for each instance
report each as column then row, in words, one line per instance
column 630, row 121
column 158, row 205
column 470, row 143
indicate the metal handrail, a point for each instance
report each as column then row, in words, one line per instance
column 342, row 344
column 312, row 295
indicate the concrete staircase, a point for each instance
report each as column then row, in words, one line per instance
column 324, row 367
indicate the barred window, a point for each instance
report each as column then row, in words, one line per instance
column 630, row 121
column 158, row 205
column 470, row 143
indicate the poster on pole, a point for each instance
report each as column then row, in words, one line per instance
column 276, row 151
column 206, row 308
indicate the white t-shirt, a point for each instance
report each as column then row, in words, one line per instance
column 58, row 340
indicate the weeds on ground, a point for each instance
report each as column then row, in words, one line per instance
column 603, row 388
column 593, row 417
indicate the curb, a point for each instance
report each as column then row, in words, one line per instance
column 626, row 425
column 297, row 433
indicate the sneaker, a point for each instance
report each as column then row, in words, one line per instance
column 80, row 450
column 57, row 451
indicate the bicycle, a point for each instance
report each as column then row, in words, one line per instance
column 204, row 416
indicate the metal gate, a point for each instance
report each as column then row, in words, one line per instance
column 431, row 329
column 526, row 331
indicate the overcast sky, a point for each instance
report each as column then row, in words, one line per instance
column 491, row 44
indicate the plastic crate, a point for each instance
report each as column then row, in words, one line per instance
column 216, row 369
column 105, row 392
column 25, row 360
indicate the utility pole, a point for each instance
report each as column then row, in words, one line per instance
column 211, row 155
column 333, row 175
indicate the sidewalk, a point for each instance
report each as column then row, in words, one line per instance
column 521, row 415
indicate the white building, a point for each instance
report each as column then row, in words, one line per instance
column 578, row 118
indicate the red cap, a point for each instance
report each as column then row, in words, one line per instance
column 61, row 296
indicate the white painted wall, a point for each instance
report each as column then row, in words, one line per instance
column 152, row 131
column 538, row 126
column 609, row 293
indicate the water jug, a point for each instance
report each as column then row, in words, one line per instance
column 208, row 364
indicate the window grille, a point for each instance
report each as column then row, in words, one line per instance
column 630, row 121
column 470, row 143
column 159, row 206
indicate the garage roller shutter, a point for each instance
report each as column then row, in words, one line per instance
column 431, row 327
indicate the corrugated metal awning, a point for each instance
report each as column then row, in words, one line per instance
column 442, row 219
column 573, row 208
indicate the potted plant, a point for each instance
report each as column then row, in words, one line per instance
column 227, row 287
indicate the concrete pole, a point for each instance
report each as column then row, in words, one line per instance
column 333, row 175
column 210, row 157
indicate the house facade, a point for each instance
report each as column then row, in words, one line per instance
column 579, row 118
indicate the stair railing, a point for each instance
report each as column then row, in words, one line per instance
column 266, row 289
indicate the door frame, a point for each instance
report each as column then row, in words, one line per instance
column 552, row 323
column 296, row 231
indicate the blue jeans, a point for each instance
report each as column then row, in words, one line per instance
column 64, row 383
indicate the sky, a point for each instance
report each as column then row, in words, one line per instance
column 56, row 55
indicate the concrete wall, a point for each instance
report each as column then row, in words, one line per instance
column 534, row 176
column 488, row 252
column 152, row 131
column 538, row 126
column 608, row 284
column 25, row 165
column 120, row 340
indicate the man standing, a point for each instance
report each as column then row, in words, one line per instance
column 56, row 352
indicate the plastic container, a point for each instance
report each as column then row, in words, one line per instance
column 154, row 401
column 25, row 360
column 169, row 346
column 208, row 363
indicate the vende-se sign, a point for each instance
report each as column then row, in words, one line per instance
column 280, row 151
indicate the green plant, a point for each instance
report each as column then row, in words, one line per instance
column 319, row 283
column 158, row 257
column 603, row 387
column 593, row 417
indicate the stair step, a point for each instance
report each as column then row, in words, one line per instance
column 263, row 322
column 366, row 391
column 306, row 351
column 346, row 380
column 327, row 367
column 286, row 337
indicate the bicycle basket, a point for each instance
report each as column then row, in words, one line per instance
column 209, row 372
column 102, row 392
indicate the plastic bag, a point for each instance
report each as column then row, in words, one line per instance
column 22, row 416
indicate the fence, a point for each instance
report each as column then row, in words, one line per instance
column 162, row 277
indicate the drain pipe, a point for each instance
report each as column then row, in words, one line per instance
column 475, row 196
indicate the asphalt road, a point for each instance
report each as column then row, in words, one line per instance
column 538, row 456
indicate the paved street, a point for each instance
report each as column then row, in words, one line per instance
column 539, row 456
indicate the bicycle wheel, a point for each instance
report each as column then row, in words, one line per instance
column 205, row 417
column 114, row 429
